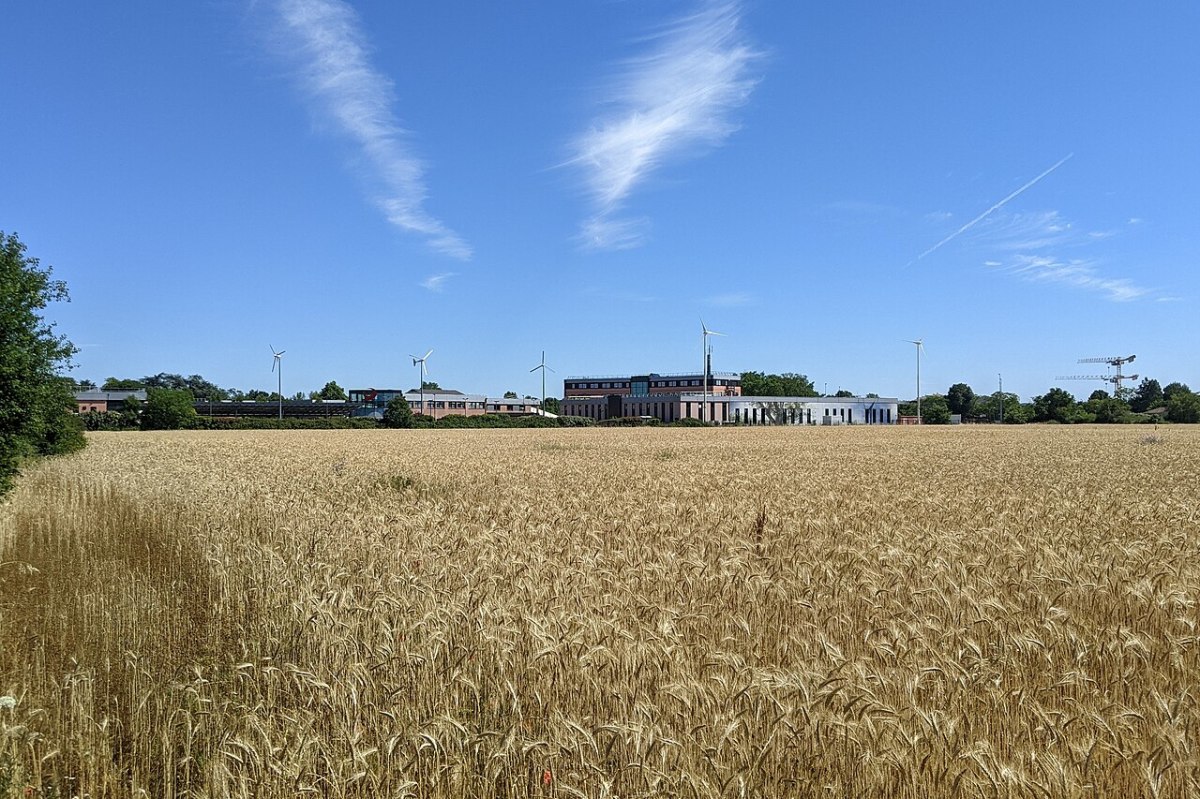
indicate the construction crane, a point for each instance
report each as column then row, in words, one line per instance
column 1115, row 361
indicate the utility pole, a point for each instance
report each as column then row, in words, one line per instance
column 1001, row 377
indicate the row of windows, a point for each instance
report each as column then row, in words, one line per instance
column 666, row 411
column 416, row 404
column 655, row 383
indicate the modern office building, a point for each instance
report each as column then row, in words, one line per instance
column 719, row 384
column 737, row 409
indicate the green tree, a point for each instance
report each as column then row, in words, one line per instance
column 552, row 405
column 196, row 384
column 844, row 392
column 1014, row 411
column 1184, row 406
column 116, row 384
column 397, row 413
column 168, row 409
column 430, row 385
column 935, row 410
column 788, row 384
column 1106, row 409
column 1172, row 389
column 37, row 407
column 331, row 391
column 961, row 399
column 510, row 395
column 1056, row 405
column 1149, row 395
column 131, row 412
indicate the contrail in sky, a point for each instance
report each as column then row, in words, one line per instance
column 990, row 211
column 329, row 41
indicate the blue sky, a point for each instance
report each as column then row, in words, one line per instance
column 357, row 182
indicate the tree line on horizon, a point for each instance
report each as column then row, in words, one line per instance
column 1149, row 402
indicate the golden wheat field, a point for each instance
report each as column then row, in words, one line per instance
column 974, row 612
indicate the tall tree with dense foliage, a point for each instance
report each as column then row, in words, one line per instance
column 1149, row 395
column 935, row 410
column 397, row 413
column 788, row 384
column 1184, row 406
column 1056, row 405
column 961, row 399
column 36, row 404
column 331, row 391
column 168, row 409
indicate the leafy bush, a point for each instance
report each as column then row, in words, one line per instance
column 630, row 421
column 37, row 407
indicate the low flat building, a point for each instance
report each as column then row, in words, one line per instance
column 737, row 409
column 372, row 402
column 269, row 409
column 514, row 406
column 101, row 401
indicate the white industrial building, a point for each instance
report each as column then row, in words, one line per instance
column 736, row 409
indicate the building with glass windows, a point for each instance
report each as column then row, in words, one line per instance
column 719, row 383
column 372, row 402
column 736, row 409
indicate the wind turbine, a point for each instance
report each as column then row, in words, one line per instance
column 706, row 358
column 421, row 361
column 277, row 365
column 920, row 342
column 543, row 367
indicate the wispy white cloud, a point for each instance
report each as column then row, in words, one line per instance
column 936, row 217
column 676, row 99
column 1033, row 230
column 730, row 300
column 1078, row 273
column 327, row 39
column 437, row 282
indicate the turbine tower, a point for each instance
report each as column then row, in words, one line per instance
column 421, row 362
column 920, row 342
column 543, row 367
column 706, row 358
column 277, row 366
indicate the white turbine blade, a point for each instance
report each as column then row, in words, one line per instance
column 534, row 369
column 428, row 354
column 551, row 370
column 274, row 363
